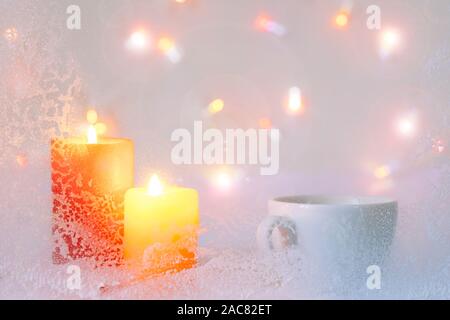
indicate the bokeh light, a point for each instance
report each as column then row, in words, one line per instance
column 165, row 44
column 390, row 41
column 264, row 23
column 11, row 34
column 265, row 123
column 295, row 104
column 216, row 106
column 382, row 172
column 168, row 47
column 406, row 126
column 341, row 20
column 138, row 41
column 222, row 180
column 438, row 146
column 21, row 160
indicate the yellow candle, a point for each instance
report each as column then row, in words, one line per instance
column 162, row 223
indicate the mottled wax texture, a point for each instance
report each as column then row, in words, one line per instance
column 162, row 228
column 88, row 184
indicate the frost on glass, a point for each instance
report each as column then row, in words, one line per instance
column 87, row 206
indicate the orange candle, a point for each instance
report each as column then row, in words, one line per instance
column 89, row 179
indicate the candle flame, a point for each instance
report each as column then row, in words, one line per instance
column 95, row 128
column 155, row 187
column 92, row 135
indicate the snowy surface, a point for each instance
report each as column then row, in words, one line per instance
column 49, row 75
column 229, row 266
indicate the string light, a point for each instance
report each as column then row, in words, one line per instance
column 265, row 24
column 138, row 41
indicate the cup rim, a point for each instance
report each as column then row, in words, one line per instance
column 333, row 200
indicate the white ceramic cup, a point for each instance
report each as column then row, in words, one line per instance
column 343, row 235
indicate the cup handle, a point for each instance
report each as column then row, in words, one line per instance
column 266, row 227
